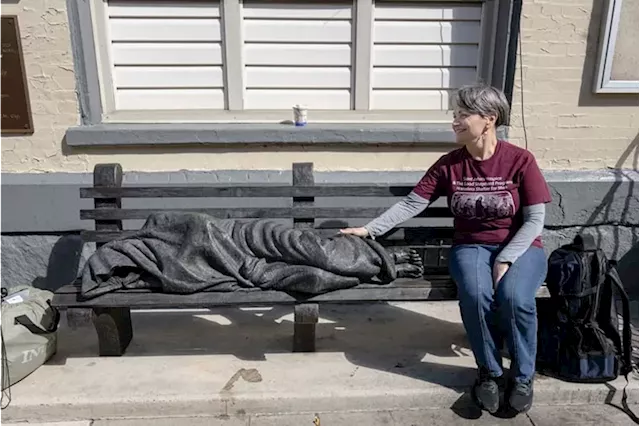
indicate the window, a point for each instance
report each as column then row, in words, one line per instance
column 420, row 52
column 164, row 55
column 297, row 53
column 252, row 60
column 618, row 52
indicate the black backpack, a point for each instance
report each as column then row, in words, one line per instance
column 578, row 326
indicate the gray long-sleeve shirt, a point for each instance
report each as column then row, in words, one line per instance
column 413, row 204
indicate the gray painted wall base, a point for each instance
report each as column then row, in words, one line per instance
column 44, row 261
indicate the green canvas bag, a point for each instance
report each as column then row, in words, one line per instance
column 29, row 338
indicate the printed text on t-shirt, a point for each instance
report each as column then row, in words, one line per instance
column 481, row 184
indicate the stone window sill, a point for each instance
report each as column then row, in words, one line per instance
column 137, row 134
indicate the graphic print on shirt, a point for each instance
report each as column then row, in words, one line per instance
column 482, row 198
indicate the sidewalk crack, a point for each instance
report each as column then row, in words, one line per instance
column 393, row 420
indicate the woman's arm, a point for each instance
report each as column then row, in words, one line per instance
column 403, row 210
column 531, row 228
column 426, row 191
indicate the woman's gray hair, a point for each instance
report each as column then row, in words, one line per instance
column 484, row 100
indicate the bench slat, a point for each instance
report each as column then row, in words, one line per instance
column 426, row 290
column 259, row 213
column 266, row 191
column 66, row 297
column 362, row 294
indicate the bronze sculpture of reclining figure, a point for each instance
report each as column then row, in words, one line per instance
column 186, row 253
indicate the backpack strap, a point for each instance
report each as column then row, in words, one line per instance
column 585, row 242
column 599, row 271
column 627, row 367
column 626, row 318
column 625, row 404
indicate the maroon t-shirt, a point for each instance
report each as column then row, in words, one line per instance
column 486, row 196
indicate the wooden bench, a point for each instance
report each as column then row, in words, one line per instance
column 111, row 312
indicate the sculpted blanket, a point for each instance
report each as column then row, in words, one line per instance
column 191, row 252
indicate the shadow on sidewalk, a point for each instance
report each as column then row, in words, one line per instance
column 383, row 337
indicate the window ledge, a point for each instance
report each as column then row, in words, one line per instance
column 130, row 134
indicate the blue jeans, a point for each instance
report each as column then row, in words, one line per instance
column 508, row 312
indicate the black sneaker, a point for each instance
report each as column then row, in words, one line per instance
column 521, row 397
column 486, row 392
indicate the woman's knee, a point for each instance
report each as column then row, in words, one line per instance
column 470, row 269
column 513, row 299
column 517, row 289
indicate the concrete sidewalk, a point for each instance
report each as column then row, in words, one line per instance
column 600, row 415
column 233, row 363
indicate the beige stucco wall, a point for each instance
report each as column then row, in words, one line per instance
column 44, row 33
column 567, row 126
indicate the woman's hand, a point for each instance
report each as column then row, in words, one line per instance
column 358, row 232
column 499, row 269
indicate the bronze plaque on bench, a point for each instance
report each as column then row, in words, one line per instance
column 16, row 111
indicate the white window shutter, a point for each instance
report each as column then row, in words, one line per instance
column 169, row 54
column 421, row 52
column 297, row 53
column 166, row 54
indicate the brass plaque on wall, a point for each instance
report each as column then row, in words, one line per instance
column 16, row 109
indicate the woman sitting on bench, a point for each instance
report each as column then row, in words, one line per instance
column 496, row 193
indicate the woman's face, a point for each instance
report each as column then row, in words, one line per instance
column 469, row 127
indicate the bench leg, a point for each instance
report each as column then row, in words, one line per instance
column 113, row 326
column 304, row 327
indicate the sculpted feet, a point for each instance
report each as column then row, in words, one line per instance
column 408, row 262
column 408, row 270
column 405, row 255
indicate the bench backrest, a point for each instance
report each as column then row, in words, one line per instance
column 433, row 241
